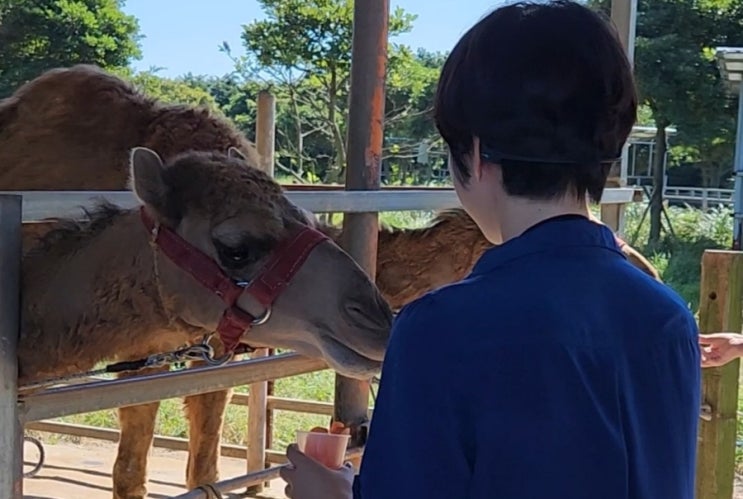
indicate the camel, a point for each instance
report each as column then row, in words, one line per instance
column 72, row 128
column 411, row 262
column 113, row 289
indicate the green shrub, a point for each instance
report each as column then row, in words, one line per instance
column 679, row 255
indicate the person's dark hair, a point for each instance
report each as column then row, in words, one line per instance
column 549, row 91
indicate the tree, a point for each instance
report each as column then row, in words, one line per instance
column 680, row 83
column 38, row 35
column 409, row 126
column 235, row 98
column 304, row 48
column 168, row 90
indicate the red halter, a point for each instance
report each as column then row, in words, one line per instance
column 283, row 263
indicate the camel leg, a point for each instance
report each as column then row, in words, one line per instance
column 205, row 414
column 137, row 425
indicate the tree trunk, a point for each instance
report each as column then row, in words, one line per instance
column 299, row 130
column 656, row 200
column 337, row 168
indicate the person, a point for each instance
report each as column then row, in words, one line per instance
column 720, row 348
column 543, row 373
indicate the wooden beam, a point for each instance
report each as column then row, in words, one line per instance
column 719, row 310
column 159, row 441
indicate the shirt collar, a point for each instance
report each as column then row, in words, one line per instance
column 557, row 232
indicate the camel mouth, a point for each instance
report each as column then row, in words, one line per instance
column 347, row 361
column 339, row 357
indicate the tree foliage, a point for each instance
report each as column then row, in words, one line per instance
column 678, row 78
column 37, row 35
column 679, row 81
column 168, row 90
column 302, row 49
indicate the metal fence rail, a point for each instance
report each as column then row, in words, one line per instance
column 100, row 395
column 38, row 205
column 701, row 196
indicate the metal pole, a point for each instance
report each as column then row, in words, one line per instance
column 38, row 205
column 91, row 397
column 248, row 480
column 11, row 432
column 738, row 162
column 363, row 171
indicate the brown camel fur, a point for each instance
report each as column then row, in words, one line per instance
column 411, row 262
column 72, row 129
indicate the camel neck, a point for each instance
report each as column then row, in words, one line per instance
column 90, row 296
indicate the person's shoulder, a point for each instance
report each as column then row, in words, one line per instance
column 662, row 294
column 427, row 327
column 438, row 312
column 419, row 312
column 442, row 302
column 658, row 307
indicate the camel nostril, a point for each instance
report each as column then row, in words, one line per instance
column 369, row 316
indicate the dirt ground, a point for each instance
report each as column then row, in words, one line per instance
column 76, row 471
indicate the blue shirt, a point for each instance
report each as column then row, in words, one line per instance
column 555, row 369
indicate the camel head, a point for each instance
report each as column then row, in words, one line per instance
column 253, row 243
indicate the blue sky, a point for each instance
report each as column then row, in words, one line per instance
column 183, row 36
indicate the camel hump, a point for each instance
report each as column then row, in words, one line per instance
column 86, row 119
column 71, row 92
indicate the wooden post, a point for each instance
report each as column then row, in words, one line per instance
column 719, row 310
column 623, row 15
column 11, row 429
column 363, row 172
column 269, row 410
column 265, row 129
column 612, row 215
column 258, row 401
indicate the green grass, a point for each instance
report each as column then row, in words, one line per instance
column 677, row 257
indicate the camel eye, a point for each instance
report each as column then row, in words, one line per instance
column 234, row 257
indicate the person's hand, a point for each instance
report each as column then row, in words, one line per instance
column 308, row 479
column 720, row 348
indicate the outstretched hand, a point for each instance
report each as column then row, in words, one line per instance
column 720, row 348
column 308, row 479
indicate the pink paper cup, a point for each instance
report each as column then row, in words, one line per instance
column 326, row 448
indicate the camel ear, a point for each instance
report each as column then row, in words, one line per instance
column 146, row 171
column 235, row 153
column 309, row 217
